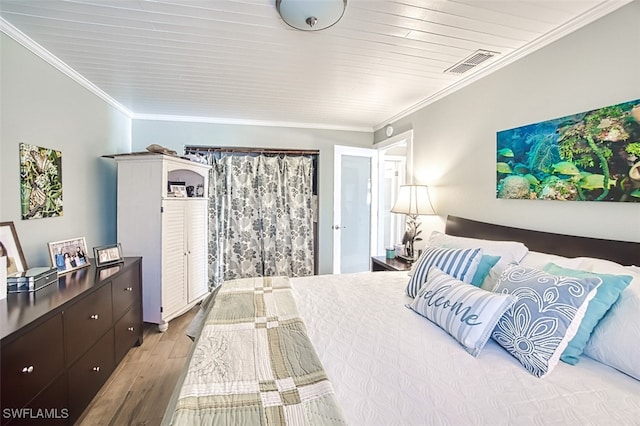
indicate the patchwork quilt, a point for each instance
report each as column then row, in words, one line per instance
column 254, row 364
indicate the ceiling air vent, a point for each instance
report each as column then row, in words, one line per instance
column 470, row 62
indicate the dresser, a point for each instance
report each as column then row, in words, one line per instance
column 167, row 228
column 61, row 343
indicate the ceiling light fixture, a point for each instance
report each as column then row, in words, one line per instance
column 311, row 15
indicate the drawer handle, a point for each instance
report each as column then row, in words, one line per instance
column 28, row 369
column 128, row 289
column 96, row 369
column 130, row 328
column 94, row 317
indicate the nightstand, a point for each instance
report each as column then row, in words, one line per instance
column 381, row 263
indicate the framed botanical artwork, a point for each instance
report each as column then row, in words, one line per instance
column 11, row 249
column 40, row 182
column 108, row 255
column 69, row 255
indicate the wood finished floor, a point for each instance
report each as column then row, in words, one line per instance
column 139, row 389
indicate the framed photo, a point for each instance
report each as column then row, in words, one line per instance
column 69, row 255
column 10, row 247
column 179, row 191
column 108, row 255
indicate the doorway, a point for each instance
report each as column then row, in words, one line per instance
column 355, row 189
column 395, row 168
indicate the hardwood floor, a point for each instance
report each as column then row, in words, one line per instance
column 139, row 389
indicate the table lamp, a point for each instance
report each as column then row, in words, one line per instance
column 413, row 200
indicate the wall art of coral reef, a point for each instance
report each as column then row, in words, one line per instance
column 591, row 156
column 40, row 182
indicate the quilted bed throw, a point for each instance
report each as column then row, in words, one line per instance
column 253, row 363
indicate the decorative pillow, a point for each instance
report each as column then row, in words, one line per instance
column 509, row 251
column 538, row 327
column 616, row 338
column 459, row 263
column 486, row 263
column 467, row 313
column 606, row 295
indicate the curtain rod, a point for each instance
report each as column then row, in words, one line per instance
column 251, row 150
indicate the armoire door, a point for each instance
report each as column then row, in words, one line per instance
column 196, row 231
column 174, row 254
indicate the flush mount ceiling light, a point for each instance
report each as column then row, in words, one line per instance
column 311, row 15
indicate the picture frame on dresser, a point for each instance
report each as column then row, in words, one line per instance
column 11, row 249
column 69, row 255
column 108, row 255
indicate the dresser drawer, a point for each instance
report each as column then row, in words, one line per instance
column 86, row 321
column 88, row 374
column 128, row 331
column 126, row 291
column 31, row 362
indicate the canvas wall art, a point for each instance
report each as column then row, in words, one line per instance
column 590, row 156
column 40, row 182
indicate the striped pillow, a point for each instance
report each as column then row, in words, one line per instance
column 459, row 263
column 466, row 312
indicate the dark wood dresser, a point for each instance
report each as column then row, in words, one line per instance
column 61, row 343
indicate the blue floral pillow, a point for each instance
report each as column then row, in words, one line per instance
column 539, row 326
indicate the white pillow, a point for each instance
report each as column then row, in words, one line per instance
column 510, row 252
column 538, row 260
column 616, row 338
column 633, row 268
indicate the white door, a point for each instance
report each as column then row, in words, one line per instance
column 355, row 189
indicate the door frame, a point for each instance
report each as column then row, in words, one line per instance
column 405, row 138
column 338, row 152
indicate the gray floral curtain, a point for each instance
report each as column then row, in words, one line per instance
column 260, row 216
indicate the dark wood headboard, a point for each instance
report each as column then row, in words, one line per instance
column 623, row 252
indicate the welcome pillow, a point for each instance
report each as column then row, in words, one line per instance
column 467, row 313
column 459, row 263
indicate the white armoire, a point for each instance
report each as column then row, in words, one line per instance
column 162, row 216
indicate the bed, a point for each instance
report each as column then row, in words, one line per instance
column 363, row 352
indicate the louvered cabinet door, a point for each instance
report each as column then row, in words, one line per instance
column 174, row 257
column 197, row 249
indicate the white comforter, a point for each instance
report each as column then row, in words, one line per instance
column 390, row 366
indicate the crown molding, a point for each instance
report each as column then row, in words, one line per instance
column 243, row 122
column 575, row 24
column 53, row 60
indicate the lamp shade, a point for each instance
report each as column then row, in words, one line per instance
column 311, row 15
column 413, row 200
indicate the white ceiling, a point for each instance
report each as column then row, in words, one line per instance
column 236, row 61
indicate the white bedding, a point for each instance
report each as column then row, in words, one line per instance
column 390, row 366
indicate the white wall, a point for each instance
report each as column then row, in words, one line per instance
column 176, row 135
column 42, row 106
column 455, row 138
